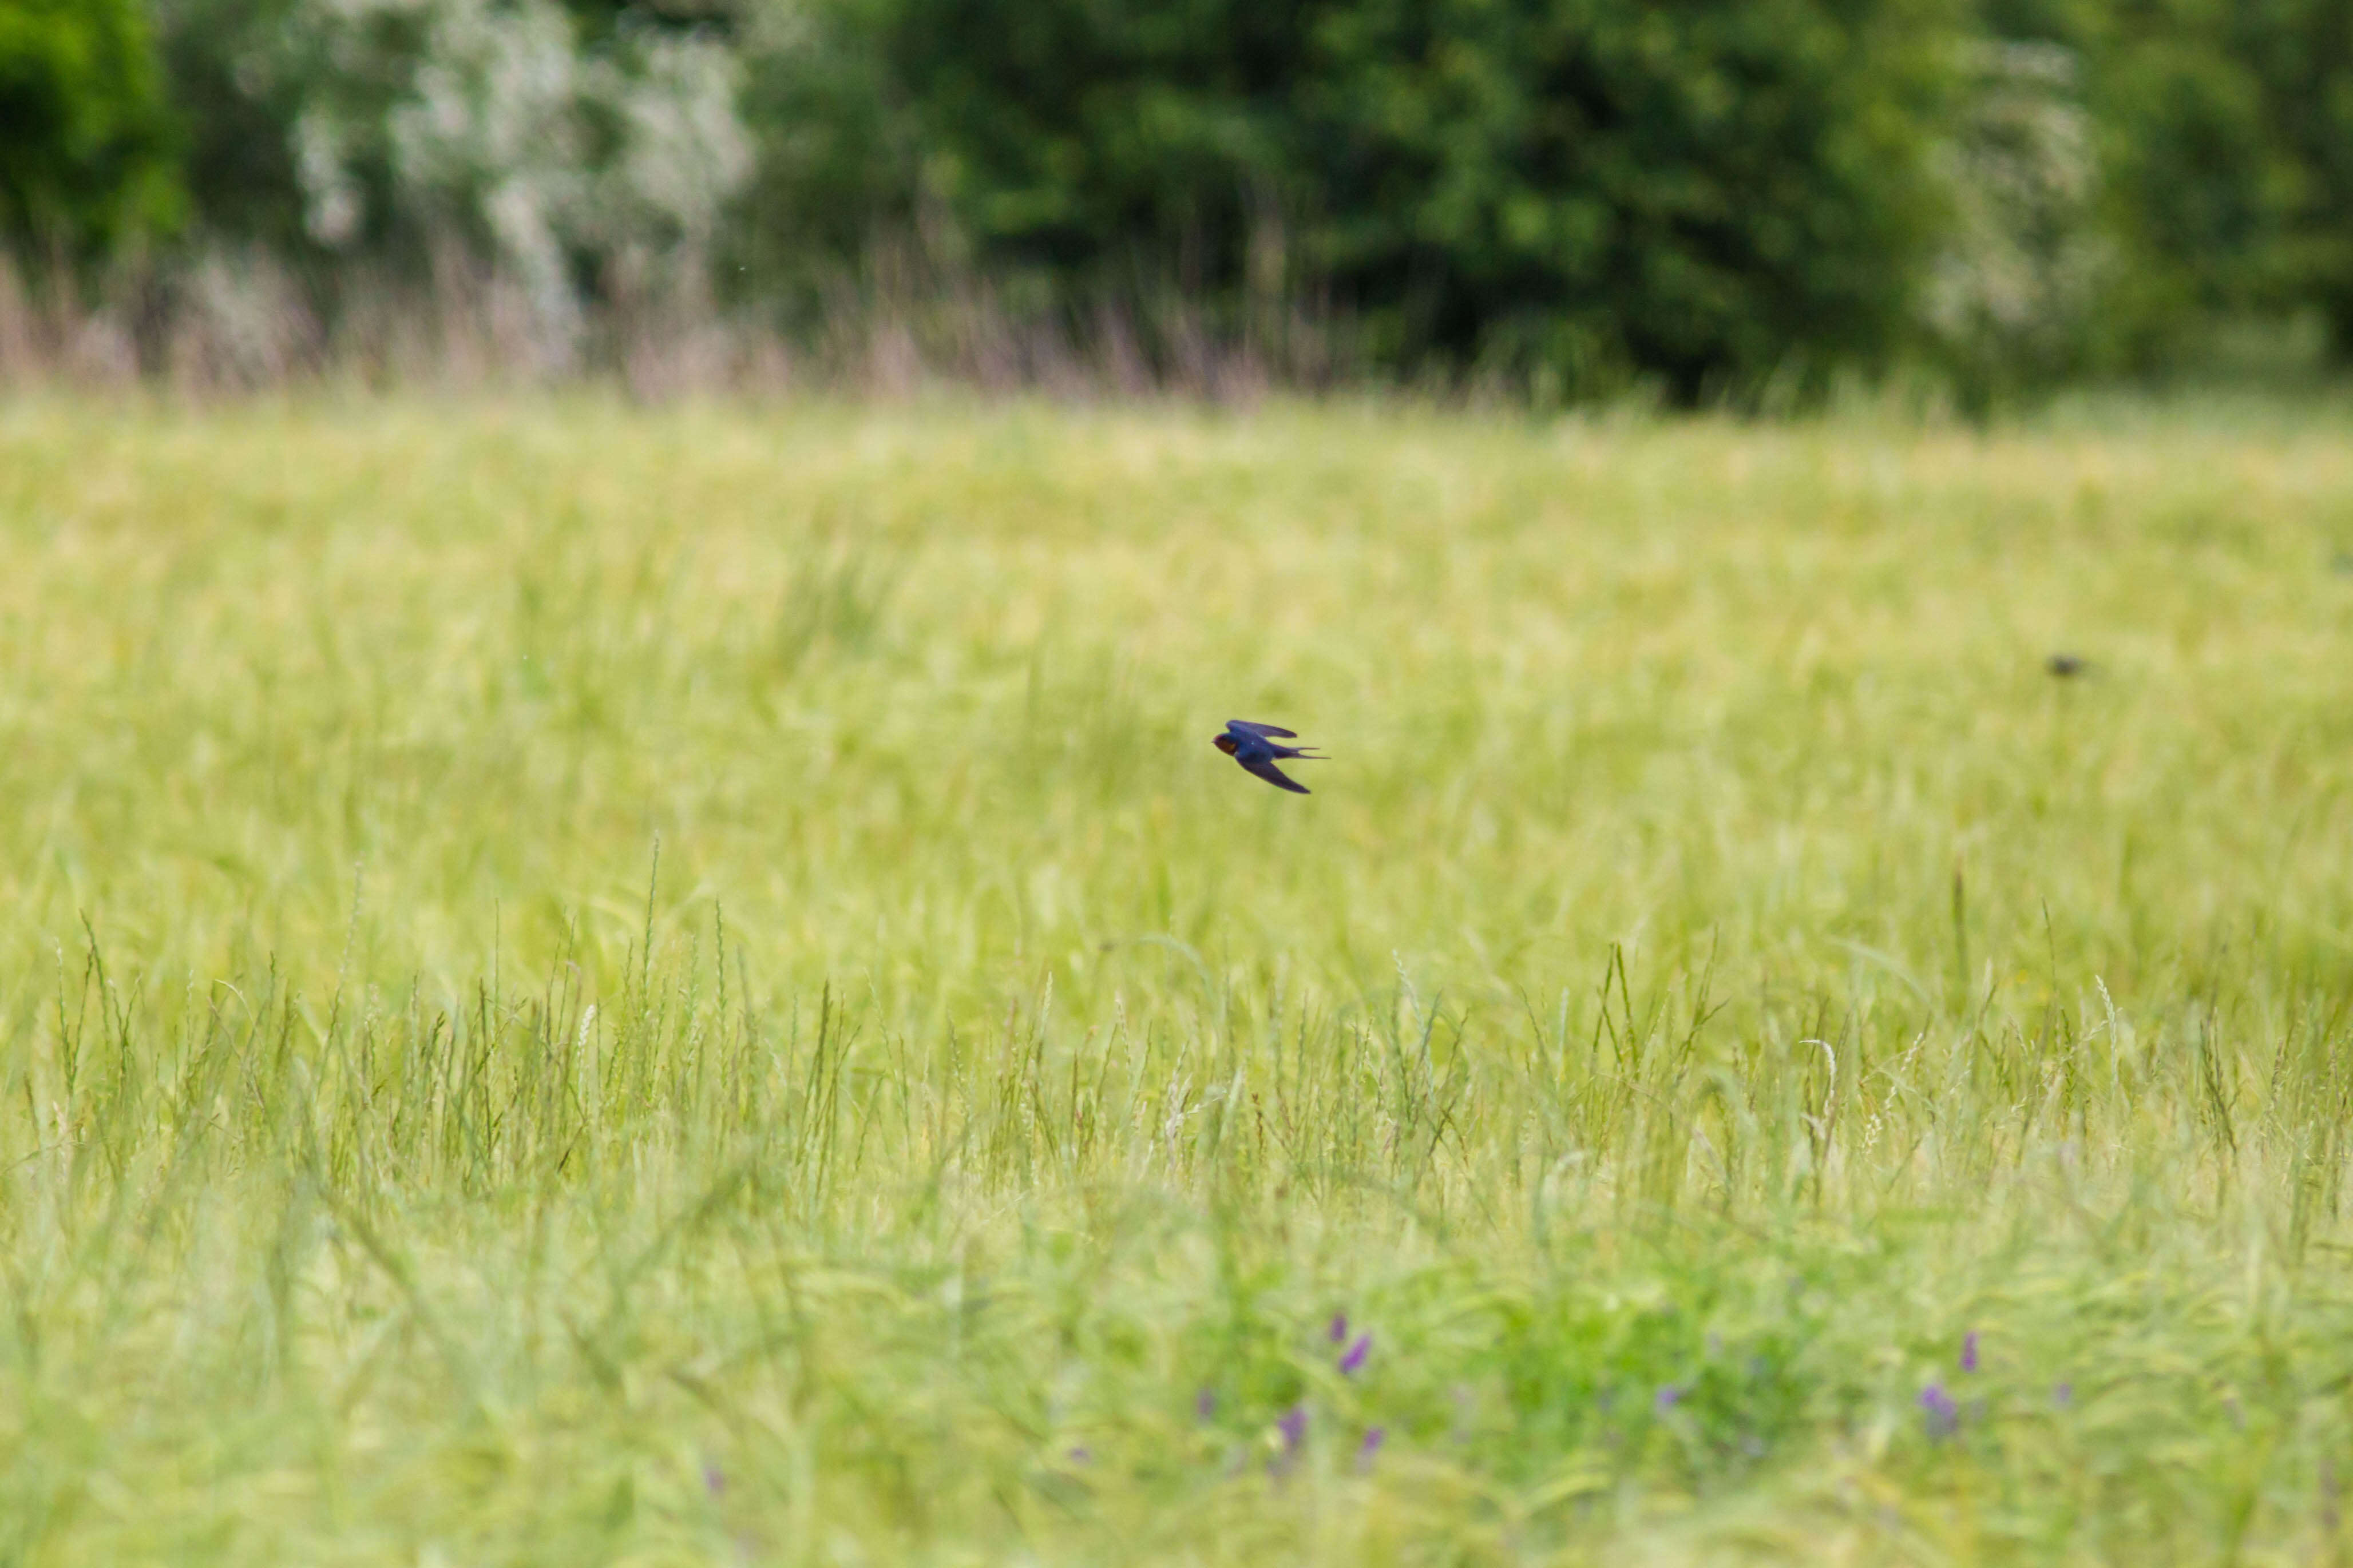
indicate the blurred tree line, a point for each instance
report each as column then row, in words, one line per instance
column 1717, row 198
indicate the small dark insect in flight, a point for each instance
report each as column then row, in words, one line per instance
column 2063, row 665
column 1248, row 744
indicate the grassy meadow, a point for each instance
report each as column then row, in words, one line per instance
column 584, row 984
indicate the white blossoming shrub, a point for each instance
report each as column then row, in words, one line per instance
column 2012, row 292
column 485, row 126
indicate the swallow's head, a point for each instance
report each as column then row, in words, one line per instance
column 1224, row 742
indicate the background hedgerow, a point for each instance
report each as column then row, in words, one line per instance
column 1740, row 201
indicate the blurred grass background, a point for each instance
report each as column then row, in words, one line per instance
column 595, row 983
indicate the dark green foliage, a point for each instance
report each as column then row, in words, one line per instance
column 2195, row 184
column 1063, row 134
column 1570, row 193
column 86, row 159
column 238, row 114
column 2226, row 145
column 1708, row 193
column 838, row 151
column 2301, row 52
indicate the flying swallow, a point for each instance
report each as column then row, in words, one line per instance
column 1248, row 744
column 2065, row 664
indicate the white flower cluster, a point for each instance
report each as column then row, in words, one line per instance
column 494, row 127
column 2023, row 260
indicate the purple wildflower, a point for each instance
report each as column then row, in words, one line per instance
column 2063, row 1395
column 1339, row 1327
column 1969, row 1351
column 1942, row 1416
column 1670, row 1395
column 1082, row 1454
column 1373, row 1437
column 1357, row 1354
column 1205, row 1404
column 1292, row 1424
column 715, row 1480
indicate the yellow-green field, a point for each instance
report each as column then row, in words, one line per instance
column 585, row 985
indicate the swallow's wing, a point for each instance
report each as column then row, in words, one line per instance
column 1245, row 727
column 1265, row 769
